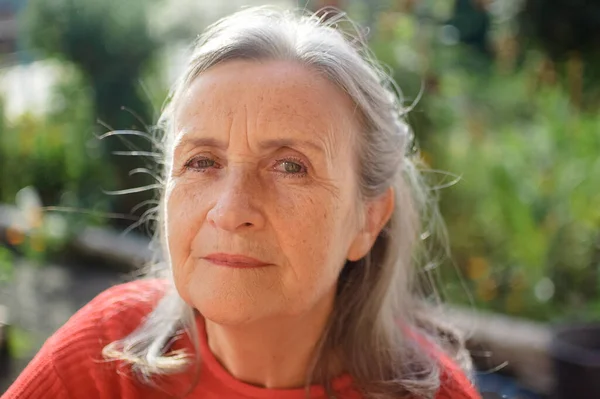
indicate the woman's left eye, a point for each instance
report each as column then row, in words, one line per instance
column 291, row 167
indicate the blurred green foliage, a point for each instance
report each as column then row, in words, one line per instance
column 524, row 218
column 52, row 160
column 108, row 40
column 57, row 153
column 110, row 44
column 527, row 208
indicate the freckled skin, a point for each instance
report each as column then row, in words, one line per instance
column 240, row 198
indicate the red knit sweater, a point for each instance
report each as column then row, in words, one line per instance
column 70, row 364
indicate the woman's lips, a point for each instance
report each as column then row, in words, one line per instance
column 235, row 261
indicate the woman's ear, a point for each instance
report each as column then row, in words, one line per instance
column 377, row 213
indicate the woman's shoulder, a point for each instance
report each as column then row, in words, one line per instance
column 454, row 382
column 127, row 299
column 110, row 316
column 117, row 310
column 70, row 363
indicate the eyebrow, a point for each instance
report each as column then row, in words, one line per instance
column 264, row 145
column 187, row 141
column 285, row 142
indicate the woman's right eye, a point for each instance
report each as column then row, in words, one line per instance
column 200, row 164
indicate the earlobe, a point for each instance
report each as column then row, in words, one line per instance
column 378, row 213
column 359, row 247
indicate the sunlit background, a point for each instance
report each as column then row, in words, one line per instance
column 505, row 96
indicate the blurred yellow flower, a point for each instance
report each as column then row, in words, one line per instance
column 487, row 289
column 478, row 267
column 38, row 243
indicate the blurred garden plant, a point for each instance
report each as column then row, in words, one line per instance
column 108, row 41
column 109, row 44
column 55, row 153
column 524, row 219
column 51, row 160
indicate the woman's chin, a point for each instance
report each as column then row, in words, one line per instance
column 229, row 308
column 229, row 315
column 228, row 298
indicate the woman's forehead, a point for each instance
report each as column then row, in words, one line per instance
column 279, row 94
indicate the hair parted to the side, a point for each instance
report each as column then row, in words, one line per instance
column 378, row 302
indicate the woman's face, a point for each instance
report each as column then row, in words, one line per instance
column 263, row 168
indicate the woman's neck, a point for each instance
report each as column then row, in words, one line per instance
column 275, row 353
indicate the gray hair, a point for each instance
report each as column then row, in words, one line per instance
column 378, row 304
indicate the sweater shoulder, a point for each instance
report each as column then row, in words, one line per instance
column 70, row 364
column 114, row 312
column 76, row 348
column 454, row 383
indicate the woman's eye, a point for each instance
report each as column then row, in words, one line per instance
column 200, row 164
column 290, row 167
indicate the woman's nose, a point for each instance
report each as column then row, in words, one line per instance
column 236, row 206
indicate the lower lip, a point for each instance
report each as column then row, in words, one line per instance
column 236, row 265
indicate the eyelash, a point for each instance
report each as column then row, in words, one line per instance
column 296, row 161
column 188, row 166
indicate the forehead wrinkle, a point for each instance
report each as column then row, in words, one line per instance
column 298, row 121
column 247, row 132
column 242, row 127
column 229, row 117
column 196, row 133
column 335, row 145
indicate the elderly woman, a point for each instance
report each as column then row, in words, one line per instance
column 289, row 219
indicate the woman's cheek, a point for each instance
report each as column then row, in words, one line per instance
column 303, row 220
column 296, row 200
column 184, row 218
